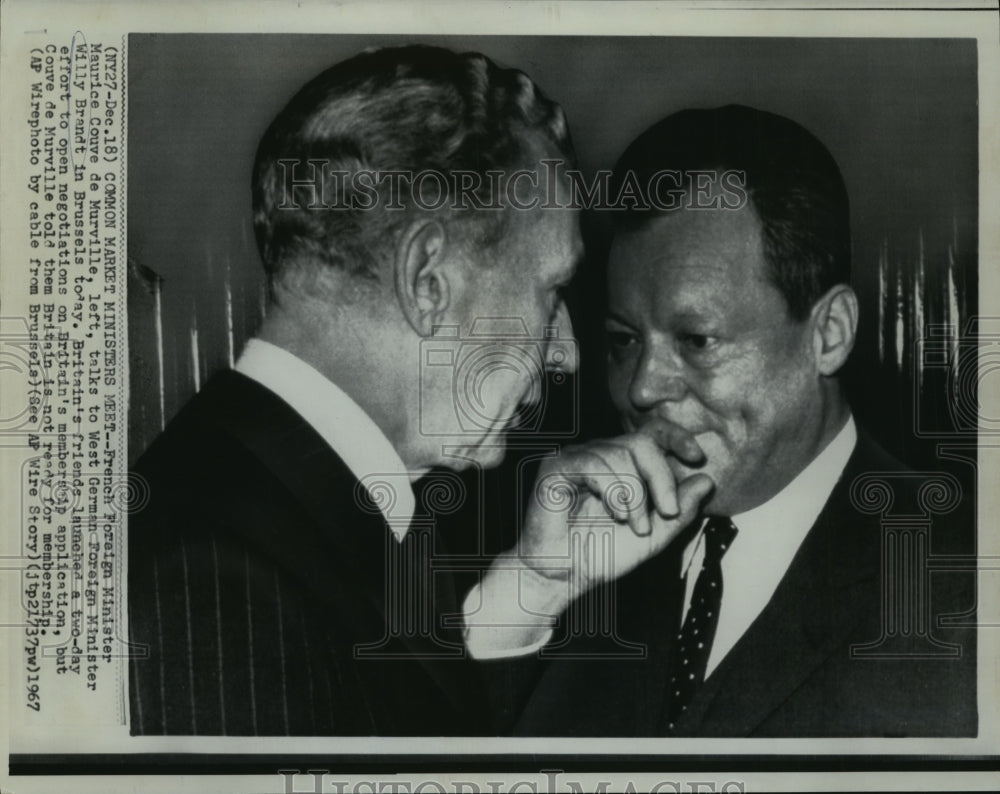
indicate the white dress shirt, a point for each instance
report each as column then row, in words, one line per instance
column 362, row 445
column 340, row 421
column 769, row 537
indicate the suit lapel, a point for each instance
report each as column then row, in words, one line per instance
column 818, row 602
column 344, row 526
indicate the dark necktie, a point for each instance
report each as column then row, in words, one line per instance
column 698, row 631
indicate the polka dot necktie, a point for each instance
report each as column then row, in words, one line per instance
column 698, row 631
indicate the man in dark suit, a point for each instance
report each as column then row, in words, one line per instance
column 280, row 579
column 801, row 604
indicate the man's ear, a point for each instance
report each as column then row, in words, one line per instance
column 422, row 275
column 835, row 325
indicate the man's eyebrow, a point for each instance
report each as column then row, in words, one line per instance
column 611, row 315
column 691, row 315
column 698, row 263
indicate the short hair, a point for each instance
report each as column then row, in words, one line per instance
column 791, row 179
column 397, row 109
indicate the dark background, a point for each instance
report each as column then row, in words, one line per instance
column 899, row 115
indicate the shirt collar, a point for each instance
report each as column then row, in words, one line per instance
column 341, row 422
column 769, row 537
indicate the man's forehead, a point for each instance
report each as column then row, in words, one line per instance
column 679, row 292
column 695, row 243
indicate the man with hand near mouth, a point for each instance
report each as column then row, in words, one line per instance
column 768, row 616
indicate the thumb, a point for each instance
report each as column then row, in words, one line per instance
column 691, row 494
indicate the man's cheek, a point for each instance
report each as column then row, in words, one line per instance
column 618, row 391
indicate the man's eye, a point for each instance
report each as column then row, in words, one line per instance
column 697, row 342
column 619, row 340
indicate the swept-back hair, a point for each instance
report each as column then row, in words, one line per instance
column 399, row 109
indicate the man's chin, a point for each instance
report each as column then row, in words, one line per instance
column 723, row 500
column 466, row 453
column 492, row 454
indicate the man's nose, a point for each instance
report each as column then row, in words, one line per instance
column 658, row 377
column 561, row 353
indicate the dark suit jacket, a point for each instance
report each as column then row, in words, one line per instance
column 793, row 673
column 254, row 576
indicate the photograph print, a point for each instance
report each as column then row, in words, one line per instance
column 553, row 386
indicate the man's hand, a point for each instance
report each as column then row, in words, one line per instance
column 598, row 510
column 603, row 508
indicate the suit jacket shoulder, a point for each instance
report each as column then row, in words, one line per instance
column 852, row 642
column 836, row 652
column 260, row 586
